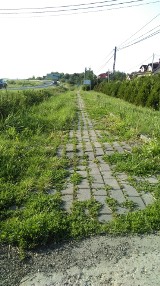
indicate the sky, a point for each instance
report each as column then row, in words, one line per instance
column 35, row 44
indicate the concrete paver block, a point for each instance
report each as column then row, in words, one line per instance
column 112, row 183
column 99, row 192
column 107, row 175
column 117, row 195
column 99, row 151
column 67, row 201
column 83, row 194
column 152, row 180
column 105, row 167
column 131, row 191
column 105, row 218
column 138, row 201
column 147, row 198
column 84, row 184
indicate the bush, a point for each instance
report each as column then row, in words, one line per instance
column 143, row 91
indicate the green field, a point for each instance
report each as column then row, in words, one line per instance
column 33, row 124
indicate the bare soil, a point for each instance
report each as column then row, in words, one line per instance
column 101, row 260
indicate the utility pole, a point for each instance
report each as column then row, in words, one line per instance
column 152, row 62
column 114, row 63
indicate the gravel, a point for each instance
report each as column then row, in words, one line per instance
column 102, row 260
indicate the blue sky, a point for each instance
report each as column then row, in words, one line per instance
column 69, row 43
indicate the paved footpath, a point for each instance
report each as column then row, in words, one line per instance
column 97, row 178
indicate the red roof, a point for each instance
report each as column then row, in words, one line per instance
column 103, row 75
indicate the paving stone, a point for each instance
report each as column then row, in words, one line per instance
column 107, row 175
column 60, row 152
column 89, row 149
column 81, row 168
column 118, row 147
column 107, row 146
column 69, row 147
column 112, row 183
column 97, row 145
column 105, row 208
column 121, row 211
column 109, row 152
column 105, row 167
column 147, row 198
column 83, row 194
column 138, row 201
column 95, row 171
column 83, row 184
column 67, row 191
column 126, row 146
column 79, row 146
column 100, row 159
column 105, row 217
column 70, row 155
column 96, row 185
column 82, row 173
column 80, row 152
column 85, row 133
column 71, row 133
column 99, row 192
column 117, row 195
column 131, row 191
column 90, row 156
column 67, row 201
column 152, row 180
column 92, row 165
column 122, row 176
column 92, row 133
column 99, row 151
column 97, row 178
column 86, row 139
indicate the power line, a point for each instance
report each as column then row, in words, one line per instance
column 57, row 7
column 140, row 29
column 65, row 6
column 81, row 8
column 140, row 63
column 145, row 38
column 140, row 36
column 105, row 62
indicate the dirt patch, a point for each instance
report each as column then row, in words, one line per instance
column 102, row 260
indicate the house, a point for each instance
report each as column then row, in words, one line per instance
column 157, row 70
column 143, row 68
column 152, row 66
column 53, row 76
column 103, row 75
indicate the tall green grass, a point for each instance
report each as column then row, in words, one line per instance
column 121, row 119
column 29, row 166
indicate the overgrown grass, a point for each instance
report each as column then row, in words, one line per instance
column 30, row 168
column 24, row 82
column 121, row 120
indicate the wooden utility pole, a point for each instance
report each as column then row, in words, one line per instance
column 152, row 62
column 114, row 63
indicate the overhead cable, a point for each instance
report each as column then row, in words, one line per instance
column 140, row 29
column 145, row 38
column 140, row 37
column 87, row 9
